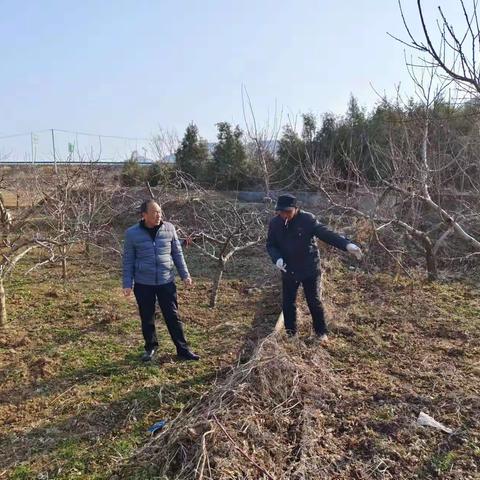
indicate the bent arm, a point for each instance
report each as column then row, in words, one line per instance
column 178, row 258
column 128, row 262
column 272, row 247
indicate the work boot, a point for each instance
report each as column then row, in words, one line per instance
column 187, row 355
column 147, row 355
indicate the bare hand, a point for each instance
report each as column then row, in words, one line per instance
column 188, row 281
column 127, row 292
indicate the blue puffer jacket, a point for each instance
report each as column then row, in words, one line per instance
column 151, row 262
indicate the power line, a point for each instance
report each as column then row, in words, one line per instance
column 118, row 137
column 23, row 134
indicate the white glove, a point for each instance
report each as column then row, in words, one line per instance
column 281, row 265
column 355, row 250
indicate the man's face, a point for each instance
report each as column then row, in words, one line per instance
column 153, row 216
column 288, row 214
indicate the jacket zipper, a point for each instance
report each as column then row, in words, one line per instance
column 156, row 263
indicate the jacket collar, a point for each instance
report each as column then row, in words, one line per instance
column 142, row 224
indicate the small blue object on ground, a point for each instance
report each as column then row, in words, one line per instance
column 157, row 426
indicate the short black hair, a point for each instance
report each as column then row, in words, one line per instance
column 145, row 204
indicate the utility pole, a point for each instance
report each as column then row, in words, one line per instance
column 34, row 144
column 31, row 144
column 54, row 152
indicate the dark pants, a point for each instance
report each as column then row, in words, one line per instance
column 147, row 296
column 311, row 288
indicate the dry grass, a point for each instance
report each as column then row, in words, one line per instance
column 257, row 424
column 76, row 403
column 297, row 410
column 74, row 398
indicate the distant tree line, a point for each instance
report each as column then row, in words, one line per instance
column 357, row 144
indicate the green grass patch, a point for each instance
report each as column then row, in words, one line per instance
column 78, row 400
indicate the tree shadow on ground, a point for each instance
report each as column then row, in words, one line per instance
column 98, row 420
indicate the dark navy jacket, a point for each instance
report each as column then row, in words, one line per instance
column 295, row 243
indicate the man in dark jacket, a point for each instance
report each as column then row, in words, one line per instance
column 151, row 250
column 292, row 247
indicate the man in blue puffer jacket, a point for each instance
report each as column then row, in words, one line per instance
column 151, row 251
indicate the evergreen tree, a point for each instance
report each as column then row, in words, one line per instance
column 192, row 155
column 132, row 172
column 291, row 156
column 154, row 174
column 230, row 160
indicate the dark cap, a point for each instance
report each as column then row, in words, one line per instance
column 286, row 202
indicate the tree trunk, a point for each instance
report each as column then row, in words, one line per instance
column 431, row 260
column 3, row 307
column 63, row 250
column 266, row 183
column 429, row 251
column 216, row 282
column 266, row 187
column 430, row 257
column 4, row 234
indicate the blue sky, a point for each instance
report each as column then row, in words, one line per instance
column 128, row 67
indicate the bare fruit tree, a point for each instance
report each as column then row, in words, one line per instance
column 221, row 229
column 455, row 51
column 263, row 142
column 58, row 190
column 218, row 228
column 164, row 144
column 20, row 236
column 5, row 220
column 95, row 203
column 415, row 184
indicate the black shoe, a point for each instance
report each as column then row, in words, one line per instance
column 188, row 355
column 148, row 355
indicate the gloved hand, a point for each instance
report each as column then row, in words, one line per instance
column 281, row 265
column 355, row 250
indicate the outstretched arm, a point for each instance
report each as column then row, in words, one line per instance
column 326, row 235
column 332, row 238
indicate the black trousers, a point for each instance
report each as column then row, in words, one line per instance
column 147, row 296
column 311, row 288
